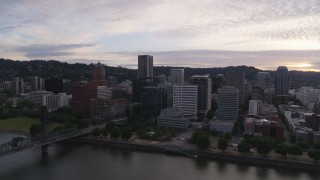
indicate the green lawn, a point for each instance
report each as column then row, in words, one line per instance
column 23, row 124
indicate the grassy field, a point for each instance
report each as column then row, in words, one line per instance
column 23, row 124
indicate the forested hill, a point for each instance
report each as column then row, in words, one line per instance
column 78, row 71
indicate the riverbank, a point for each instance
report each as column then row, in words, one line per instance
column 7, row 131
column 261, row 161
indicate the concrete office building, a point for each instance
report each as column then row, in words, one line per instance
column 145, row 66
column 37, row 83
column 53, row 102
column 17, row 86
column 282, row 81
column 255, row 107
column 236, row 79
column 36, row 97
column 176, row 76
column 204, row 84
column 172, row 118
column 185, row 97
column 227, row 102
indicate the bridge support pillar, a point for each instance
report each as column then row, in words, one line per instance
column 44, row 149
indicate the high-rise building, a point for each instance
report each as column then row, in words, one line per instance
column 219, row 81
column 227, row 102
column 99, row 75
column 83, row 92
column 282, row 81
column 255, row 107
column 236, row 79
column 139, row 84
column 185, row 97
column 112, row 81
column 263, row 80
column 153, row 99
column 37, row 83
column 176, row 76
column 17, row 86
column 204, row 84
column 54, row 84
column 145, row 66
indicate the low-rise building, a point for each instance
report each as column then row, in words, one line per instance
column 172, row 118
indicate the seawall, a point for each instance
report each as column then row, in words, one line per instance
column 262, row 161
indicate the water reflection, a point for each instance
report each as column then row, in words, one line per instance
column 221, row 166
column 241, row 167
column 262, row 173
column 201, row 164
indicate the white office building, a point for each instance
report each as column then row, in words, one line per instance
column 104, row 92
column 308, row 95
column 186, row 97
column 53, row 102
column 36, row 97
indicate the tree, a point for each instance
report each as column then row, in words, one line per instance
column 314, row 154
column 25, row 103
column 126, row 133
column 303, row 144
column 244, row 147
column 222, row 144
column 203, row 141
column 282, row 149
column 264, row 146
column 35, row 129
column 95, row 132
column 210, row 114
column 196, row 134
column 226, row 136
column 115, row 133
column 109, row 125
column 105, row 132
column 295, row 150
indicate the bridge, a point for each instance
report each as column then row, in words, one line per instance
column 20, row 144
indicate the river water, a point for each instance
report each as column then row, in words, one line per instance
column 91, row 162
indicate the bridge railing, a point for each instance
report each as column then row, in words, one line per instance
column 23, row 143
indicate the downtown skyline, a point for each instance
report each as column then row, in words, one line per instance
column 260, row 33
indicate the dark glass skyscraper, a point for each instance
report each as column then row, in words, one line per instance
column 236, row 79
column 282, row 81
column 54, row 84
column 145, row 66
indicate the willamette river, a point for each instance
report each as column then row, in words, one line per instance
column 91, row 162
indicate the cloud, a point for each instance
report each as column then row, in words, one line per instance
column 45, row 50
column 86, row 29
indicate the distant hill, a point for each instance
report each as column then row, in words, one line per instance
column 79, row 71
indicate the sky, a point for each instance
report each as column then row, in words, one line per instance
column 193, row 33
